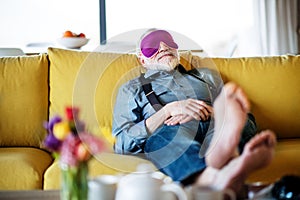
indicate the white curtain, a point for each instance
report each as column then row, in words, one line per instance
column 276, row 27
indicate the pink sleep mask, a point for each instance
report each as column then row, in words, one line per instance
column 151, row 42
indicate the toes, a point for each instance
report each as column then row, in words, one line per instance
column 232, row 90
column 242, row 98
column 270, row 138
column 266, row 137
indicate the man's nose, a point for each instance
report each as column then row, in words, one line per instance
column 163, row 46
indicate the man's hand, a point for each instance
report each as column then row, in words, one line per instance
column 183, row 111
column 178, row 119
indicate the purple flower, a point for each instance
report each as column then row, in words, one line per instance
column 49, row 125
column 52, row 143
column 80, row 125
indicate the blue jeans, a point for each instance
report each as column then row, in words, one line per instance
column 178, row 151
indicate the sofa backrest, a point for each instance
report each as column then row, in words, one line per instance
column 91, row 80
column 23, row 100
column 88, row 80
column 273, row 87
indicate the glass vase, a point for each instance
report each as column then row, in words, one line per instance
column 74, row 183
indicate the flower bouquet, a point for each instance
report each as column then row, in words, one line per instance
column 74, row 146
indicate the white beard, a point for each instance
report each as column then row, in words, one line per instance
column 165, row 64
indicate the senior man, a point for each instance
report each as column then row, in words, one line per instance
column 187, row 123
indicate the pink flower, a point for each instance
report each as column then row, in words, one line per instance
column 68, row 153
column 69, row 139
column 94, row 144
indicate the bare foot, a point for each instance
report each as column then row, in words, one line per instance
column 266, row 136
column 258, row 153
column 230, row 110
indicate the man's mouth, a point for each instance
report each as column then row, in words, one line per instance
column 166, row 54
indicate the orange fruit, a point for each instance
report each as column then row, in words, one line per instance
column 68, row 34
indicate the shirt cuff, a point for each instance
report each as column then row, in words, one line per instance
column 139, row 132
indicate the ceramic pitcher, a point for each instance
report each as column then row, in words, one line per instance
column 142, row 185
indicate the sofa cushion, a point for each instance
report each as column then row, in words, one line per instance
column 23, row 100
column 272, row 85
column 23, row 168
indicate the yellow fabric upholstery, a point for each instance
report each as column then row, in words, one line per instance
column 23, row 168
column 23, row 100
column 273, row 86
column 105, row 163
column 88, row 80
column 285, row 162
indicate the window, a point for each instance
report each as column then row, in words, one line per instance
column 214, row 25
column 31, row 21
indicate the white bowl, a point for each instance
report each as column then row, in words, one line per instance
column 72, row 42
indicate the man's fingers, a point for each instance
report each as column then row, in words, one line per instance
column 194, row 108
column 173, row 120
column 206, row 106
column 198, row 109
column 185, row 119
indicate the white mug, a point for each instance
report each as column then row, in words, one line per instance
column 103, row 187
column 208, row 193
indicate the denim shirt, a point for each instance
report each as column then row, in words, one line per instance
column 132, row 107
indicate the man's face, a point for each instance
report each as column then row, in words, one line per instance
column 159, row 51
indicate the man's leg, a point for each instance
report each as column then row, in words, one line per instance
column 230, row 110
column 174, row 152
column 258, row 152
column 249, row 131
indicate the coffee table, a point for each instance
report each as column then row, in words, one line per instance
column 262, row 194
column 29, row 194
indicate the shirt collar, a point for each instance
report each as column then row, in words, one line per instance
column 155, row 73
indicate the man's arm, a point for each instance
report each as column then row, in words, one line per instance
column 130, row 127
column 179, row 112
column 128, row 122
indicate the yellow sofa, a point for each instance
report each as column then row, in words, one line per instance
column 34, row 88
